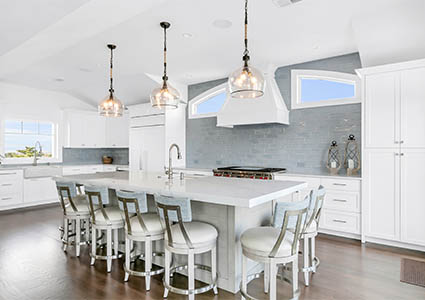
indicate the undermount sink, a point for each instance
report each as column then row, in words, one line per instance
column 42, row 171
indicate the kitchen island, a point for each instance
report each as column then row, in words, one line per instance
column 232, row 205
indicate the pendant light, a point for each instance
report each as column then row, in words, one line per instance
column 111, row 106
column 246, row 82
column 165, row 95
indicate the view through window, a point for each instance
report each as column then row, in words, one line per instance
column 20, row 138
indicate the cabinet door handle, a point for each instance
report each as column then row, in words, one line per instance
column 340, row 184
column 6, row 184
column 396, row 154
column 340, row 221
column 396, row 142
column 6, row 198
column 7, row 173
column 401, row 154
column 340, row 200
column 401, row 142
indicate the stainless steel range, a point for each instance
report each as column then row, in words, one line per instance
column 248, row 172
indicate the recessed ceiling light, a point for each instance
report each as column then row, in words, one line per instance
column 187, row 35
column 222, row 23
column 83, row 69
column 59, row 79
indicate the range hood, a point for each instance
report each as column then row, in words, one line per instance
column 269, row 108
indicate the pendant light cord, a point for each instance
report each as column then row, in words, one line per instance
column 165, row 78
column 111, row 89
column 246, row 51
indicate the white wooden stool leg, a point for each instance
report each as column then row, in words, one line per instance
column 127, row 258
column 266, row 277
column 191, row 273
column 116, row 242
column 313, row 253
column 214, row 267
column 244, row 283
column 148, row 262
column 93, row 245
column 167, row 270
column 65, row 233
column 77, row 236
column 272, row 293
column 109, row 249
column 294, row 277
column 306, row 257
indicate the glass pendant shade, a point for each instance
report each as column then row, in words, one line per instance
column 111, row 107
column 246, row 82
column 165, row 97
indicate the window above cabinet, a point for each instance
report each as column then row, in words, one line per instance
column 315, row 88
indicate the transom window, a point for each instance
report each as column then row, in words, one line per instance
column 209, row 103
column 20, row 138
column 313, row 88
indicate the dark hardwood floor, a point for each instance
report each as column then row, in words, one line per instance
column 33, row 266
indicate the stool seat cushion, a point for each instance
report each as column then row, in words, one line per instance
column 200, row 234
column 261, row 240
column 152, row 222
column 114, row 215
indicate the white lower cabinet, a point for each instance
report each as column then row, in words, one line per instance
column 11, row 187
column 412, row 170
column 40, row 190
column 341, row 212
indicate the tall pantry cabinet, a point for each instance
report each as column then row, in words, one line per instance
column 394, row 154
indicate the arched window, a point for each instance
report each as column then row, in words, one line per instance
column 209, row 103
column 313, row 88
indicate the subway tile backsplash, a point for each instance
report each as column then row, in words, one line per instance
column 299, row 147
column 94, row 155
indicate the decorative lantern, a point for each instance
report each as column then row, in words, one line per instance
column 352, row 156
column 334, row 163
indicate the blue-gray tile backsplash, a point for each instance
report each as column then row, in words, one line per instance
column 299, row 147
column 94, row 155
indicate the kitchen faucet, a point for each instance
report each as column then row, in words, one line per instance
column 35, row 152
column 170, row 172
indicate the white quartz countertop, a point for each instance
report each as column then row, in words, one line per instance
column 227, row 191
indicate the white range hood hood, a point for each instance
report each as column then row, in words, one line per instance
column 270, row 108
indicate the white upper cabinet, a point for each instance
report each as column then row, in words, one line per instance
column 89, row 130
column 412, row 195
column 412, row 90
column 381, row 117
column 117, row 131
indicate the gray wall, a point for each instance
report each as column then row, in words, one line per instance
column 299, row 147
column 94, row 156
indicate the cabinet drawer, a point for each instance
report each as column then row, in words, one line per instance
column 340, row 221
column 341, row 184
column 109, row 168
column 11, row 175
column 8, row 188
column 72, row 171
column 6, row 200
column 344, row 201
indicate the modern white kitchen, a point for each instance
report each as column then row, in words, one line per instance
column 187, row 149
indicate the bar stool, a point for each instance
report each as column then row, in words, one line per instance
column 107, row 218
column 75, row 214
column 311, row 261
column 140, row 227
column 186, row 238
column 274, row 246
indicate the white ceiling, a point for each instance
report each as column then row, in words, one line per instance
column 67, row 39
